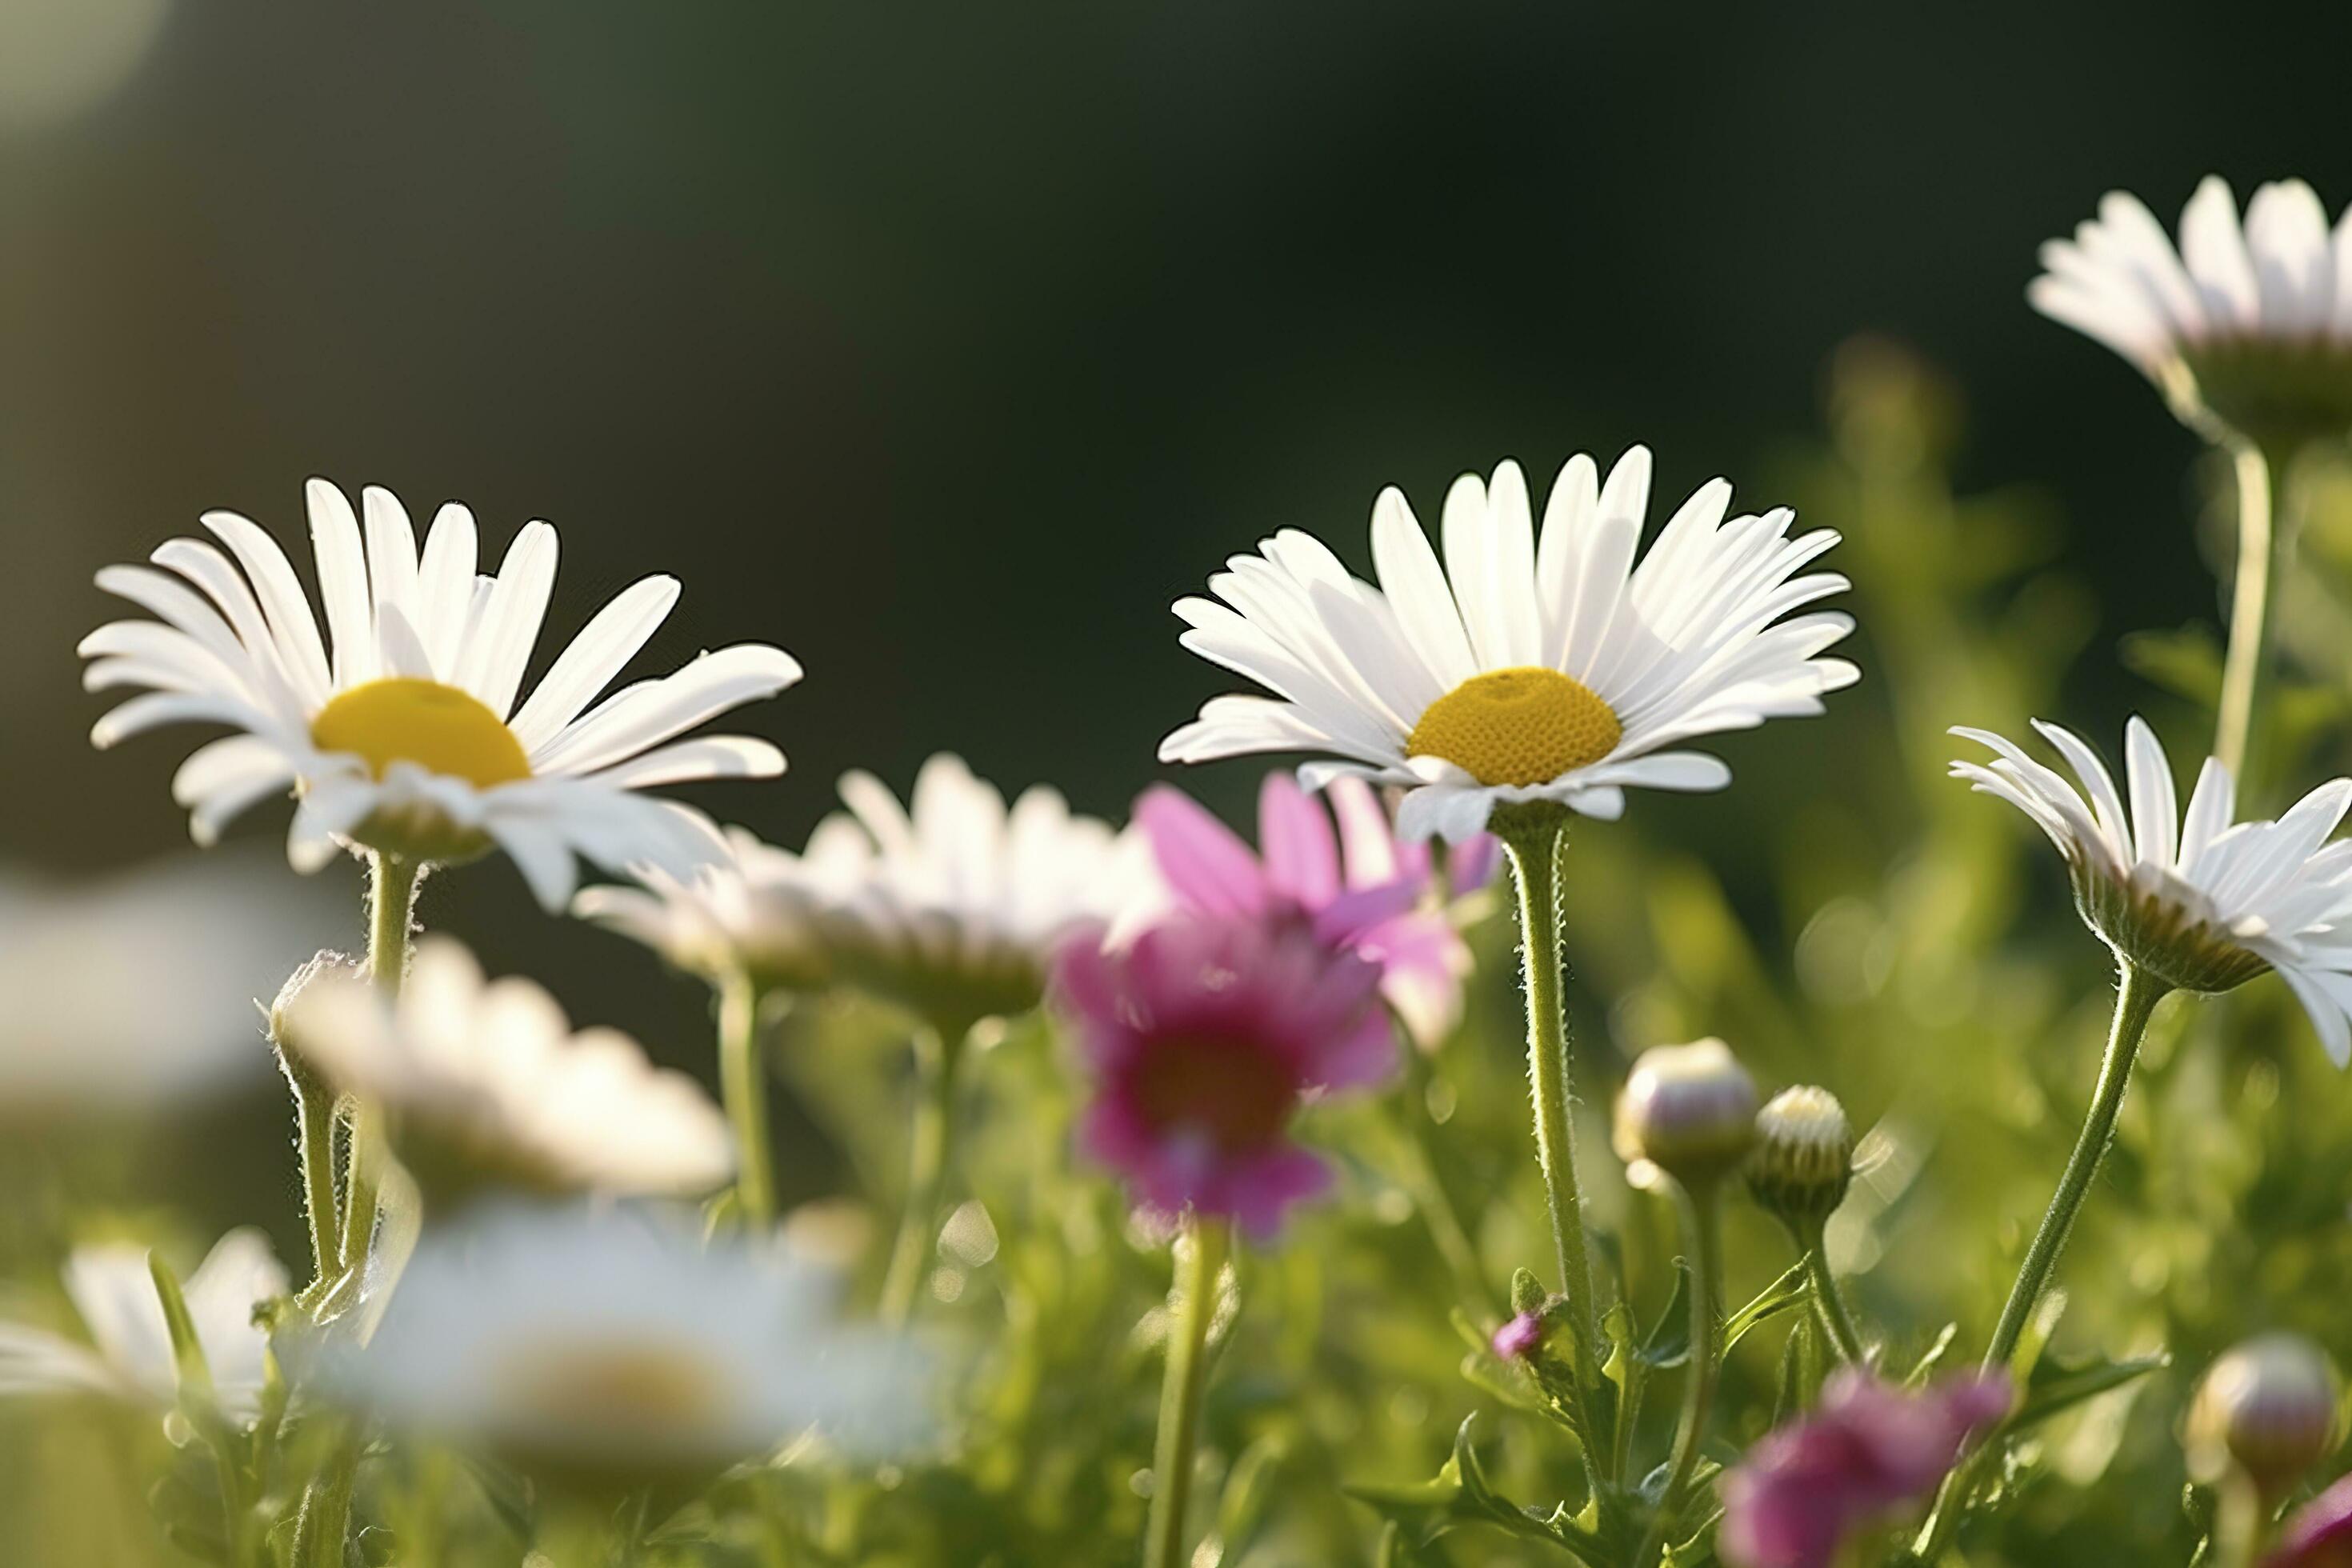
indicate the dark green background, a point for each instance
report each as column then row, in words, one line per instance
column 945, row 346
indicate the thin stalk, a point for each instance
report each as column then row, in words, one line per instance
column 1829, row 1301
column 1702, row 1220
column 1192, row 1303
column 2241, row 1520
column 2246, row 667
column 1535, row 849
column 743, row 1084
column 314, row 1144
column 325, row 1517
column 929, row 1146
column 392, row 908
column 2136, row 994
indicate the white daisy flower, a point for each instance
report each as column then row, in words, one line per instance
column 1523, row 668
column 956, row 908
column 487, row 1085
column 129, row 1355
column 135, row 994
column 2188, row 898
column 2252, row 321
column 754, row 912
column 400, row 728
column 618, row 1343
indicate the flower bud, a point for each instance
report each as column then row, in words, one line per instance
column 1804, row 1158
column 281, row 1012
column 1687, row 1110
column 1520, row 1338
column 2267, row 1408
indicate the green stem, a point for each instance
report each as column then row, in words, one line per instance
column 1702, row 1220
column 325, row 1517
column 2240, row 1521
column 1829, row 1301
column 2136, row 994
column 743, row 1084
column 2246, row 667
column 1192, row 1304
column 392, row 908
column 314, row 1143
column 929, row 1146
column 1535, row 845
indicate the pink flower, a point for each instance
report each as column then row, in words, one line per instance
column 2320, row 1533
column 1204, row 1036
column 1520, row 1337
column 1865, row 1453
column 1362, row 890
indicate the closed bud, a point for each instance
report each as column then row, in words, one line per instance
column 1688, row 1111
column 1804, row 1159
column 2266, row 1408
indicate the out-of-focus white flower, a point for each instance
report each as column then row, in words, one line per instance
column 488, row 1086
column 1528, row 667
column 400, row 728
column 137, row 991
column 2196, row 902
column 608, row 1341
column 129, row 1356
column 2252, row 322
column 755, row 913
column 956, row 909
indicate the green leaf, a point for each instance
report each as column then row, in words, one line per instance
column 1802, row 1368
column 1460, row 1496
column 1668, row 1344
column 2059, row 1384
column 188, row 1351
column 1791, row 1289
column 1927, row 1362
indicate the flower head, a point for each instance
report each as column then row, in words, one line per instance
column 2196, row 902
column 1804, row 1160
column 2267, row 1408
column 589, row 1344
column 2249, row 324
column 755, row 911
column 1204, row 1038
column 1522, row 669
column 129, row 1356
column 2319, row 1533
column 489, row 1087
column 1687, row 1110
column 399, row 730
column 1865, row 1453
column 955, row 909
column 1360, row 889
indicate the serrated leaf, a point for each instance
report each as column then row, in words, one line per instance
column 2058, row 1383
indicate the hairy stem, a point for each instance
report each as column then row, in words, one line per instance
column 2136, row 994
column 1534, row 847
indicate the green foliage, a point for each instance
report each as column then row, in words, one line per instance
column 1844, row 915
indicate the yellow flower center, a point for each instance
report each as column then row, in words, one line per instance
column 609, row 1386
column 439, row 728
column 1522, row 726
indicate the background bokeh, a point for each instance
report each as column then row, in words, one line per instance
column 945, row 347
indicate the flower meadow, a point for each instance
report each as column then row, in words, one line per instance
column 1442, row 1166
